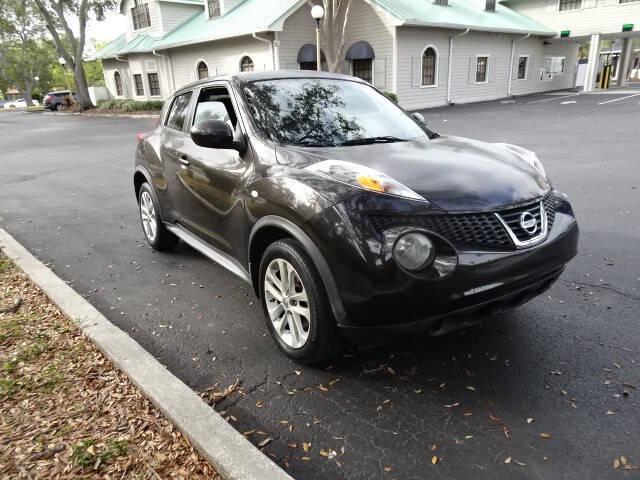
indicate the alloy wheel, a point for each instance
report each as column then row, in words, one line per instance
column 148, row 215
column 287, row 303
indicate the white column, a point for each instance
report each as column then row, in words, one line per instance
column 625, row 62
column 592, row 65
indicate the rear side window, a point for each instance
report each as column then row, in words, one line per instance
column 179, row 111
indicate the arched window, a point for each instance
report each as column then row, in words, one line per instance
column 203, row 71
column 214, row 8
column 246, row 64
column 429, row 67
column 118, row 81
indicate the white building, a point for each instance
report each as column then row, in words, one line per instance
column 593, row 21
column 428, row 52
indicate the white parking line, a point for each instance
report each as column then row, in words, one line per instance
column 621, row 98
column 555, row 98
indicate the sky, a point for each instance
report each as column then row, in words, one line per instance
column 105, row 31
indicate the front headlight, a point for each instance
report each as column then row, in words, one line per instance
column 527, row 155
column 363, row 177
column 414, row 251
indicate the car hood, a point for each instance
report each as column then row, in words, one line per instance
column 457, row 174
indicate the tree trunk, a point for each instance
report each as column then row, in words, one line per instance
column 28, row 88
column 83, row 90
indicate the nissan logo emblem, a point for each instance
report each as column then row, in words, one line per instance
column 528, row 223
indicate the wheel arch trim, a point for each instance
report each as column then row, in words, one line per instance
column 310, row 247
column 145, row 173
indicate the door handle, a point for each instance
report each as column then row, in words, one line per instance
column 184, row 162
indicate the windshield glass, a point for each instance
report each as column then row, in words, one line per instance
column 327, row 112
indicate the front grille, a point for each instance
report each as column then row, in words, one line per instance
column 474, row 231
column 466, row 231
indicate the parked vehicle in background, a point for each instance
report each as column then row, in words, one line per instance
column 2, row 102
column 346, row 214
column 58, row 100
column 20, row 103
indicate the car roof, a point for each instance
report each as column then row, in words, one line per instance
column 248, row 77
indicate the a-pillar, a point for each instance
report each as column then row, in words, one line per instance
column 592, row 65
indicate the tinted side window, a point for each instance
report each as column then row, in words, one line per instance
column 179, row 111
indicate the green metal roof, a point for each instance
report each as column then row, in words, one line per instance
column 462, row 14
column 269, row 15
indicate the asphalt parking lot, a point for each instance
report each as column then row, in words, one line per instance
column 549, row 391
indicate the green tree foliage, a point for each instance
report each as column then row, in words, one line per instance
column 24, row 53
column 58, row 16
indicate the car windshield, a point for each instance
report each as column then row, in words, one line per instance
column 325, row 112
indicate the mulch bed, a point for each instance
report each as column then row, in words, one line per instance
column 65, row 411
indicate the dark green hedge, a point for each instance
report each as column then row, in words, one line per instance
column 131, row 105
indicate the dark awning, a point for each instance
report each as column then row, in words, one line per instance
column 308, row 54
column 360, row 51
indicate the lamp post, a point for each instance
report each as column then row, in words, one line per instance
column 63, row 62
column 317, row 12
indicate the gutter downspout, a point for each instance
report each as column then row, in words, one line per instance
column 450, row 66
column 167, row 59
column 271, row 50
column 513, row 52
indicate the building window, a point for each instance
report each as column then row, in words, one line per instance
column 363, row 69
column 140, row 15
column 203, row 71
column 569, row 5
column 154, row 84
column 523, row 65
column 117, row 79
column 554, row 65
column 137, row 81
column 179, row 112
column 308, row 65
column 627, row 1
column 429, row 67
column 246, row 64
column 214, row 8
column 481, row 69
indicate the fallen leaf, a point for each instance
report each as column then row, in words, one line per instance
column 387, row 469
column 433, row 447
column 609, row 412
column 623, row 460
column 616, row 463
column 306, row 446
column 264, row 442
column 529, row 420
column 434, row 460
column 507, row 460
column 473, row 389
column 545, row 435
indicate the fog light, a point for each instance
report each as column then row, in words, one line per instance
column 414, row 251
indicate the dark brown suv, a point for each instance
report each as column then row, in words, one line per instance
column 347, row 215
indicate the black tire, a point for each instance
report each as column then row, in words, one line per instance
column 164, row 240
column 324, row 340
column 58, row 107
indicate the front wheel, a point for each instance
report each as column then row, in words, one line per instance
column 295, row 303
column 154, row 230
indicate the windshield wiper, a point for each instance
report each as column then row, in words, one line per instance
column 311, row 143
column 372, row 140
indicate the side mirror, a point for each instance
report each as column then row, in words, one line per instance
column 419, row 118
column 212, row 134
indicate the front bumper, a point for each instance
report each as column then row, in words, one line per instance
column 378, row 296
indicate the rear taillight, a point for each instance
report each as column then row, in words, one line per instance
column 47, row 98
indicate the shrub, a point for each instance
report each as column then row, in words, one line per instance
column 391, row 96
column 105, row 105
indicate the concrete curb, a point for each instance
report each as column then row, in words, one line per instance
column 228, row 451
column 103, row 115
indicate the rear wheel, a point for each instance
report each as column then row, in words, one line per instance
column 154, row 230
column 295, row 304
column 59, row 107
